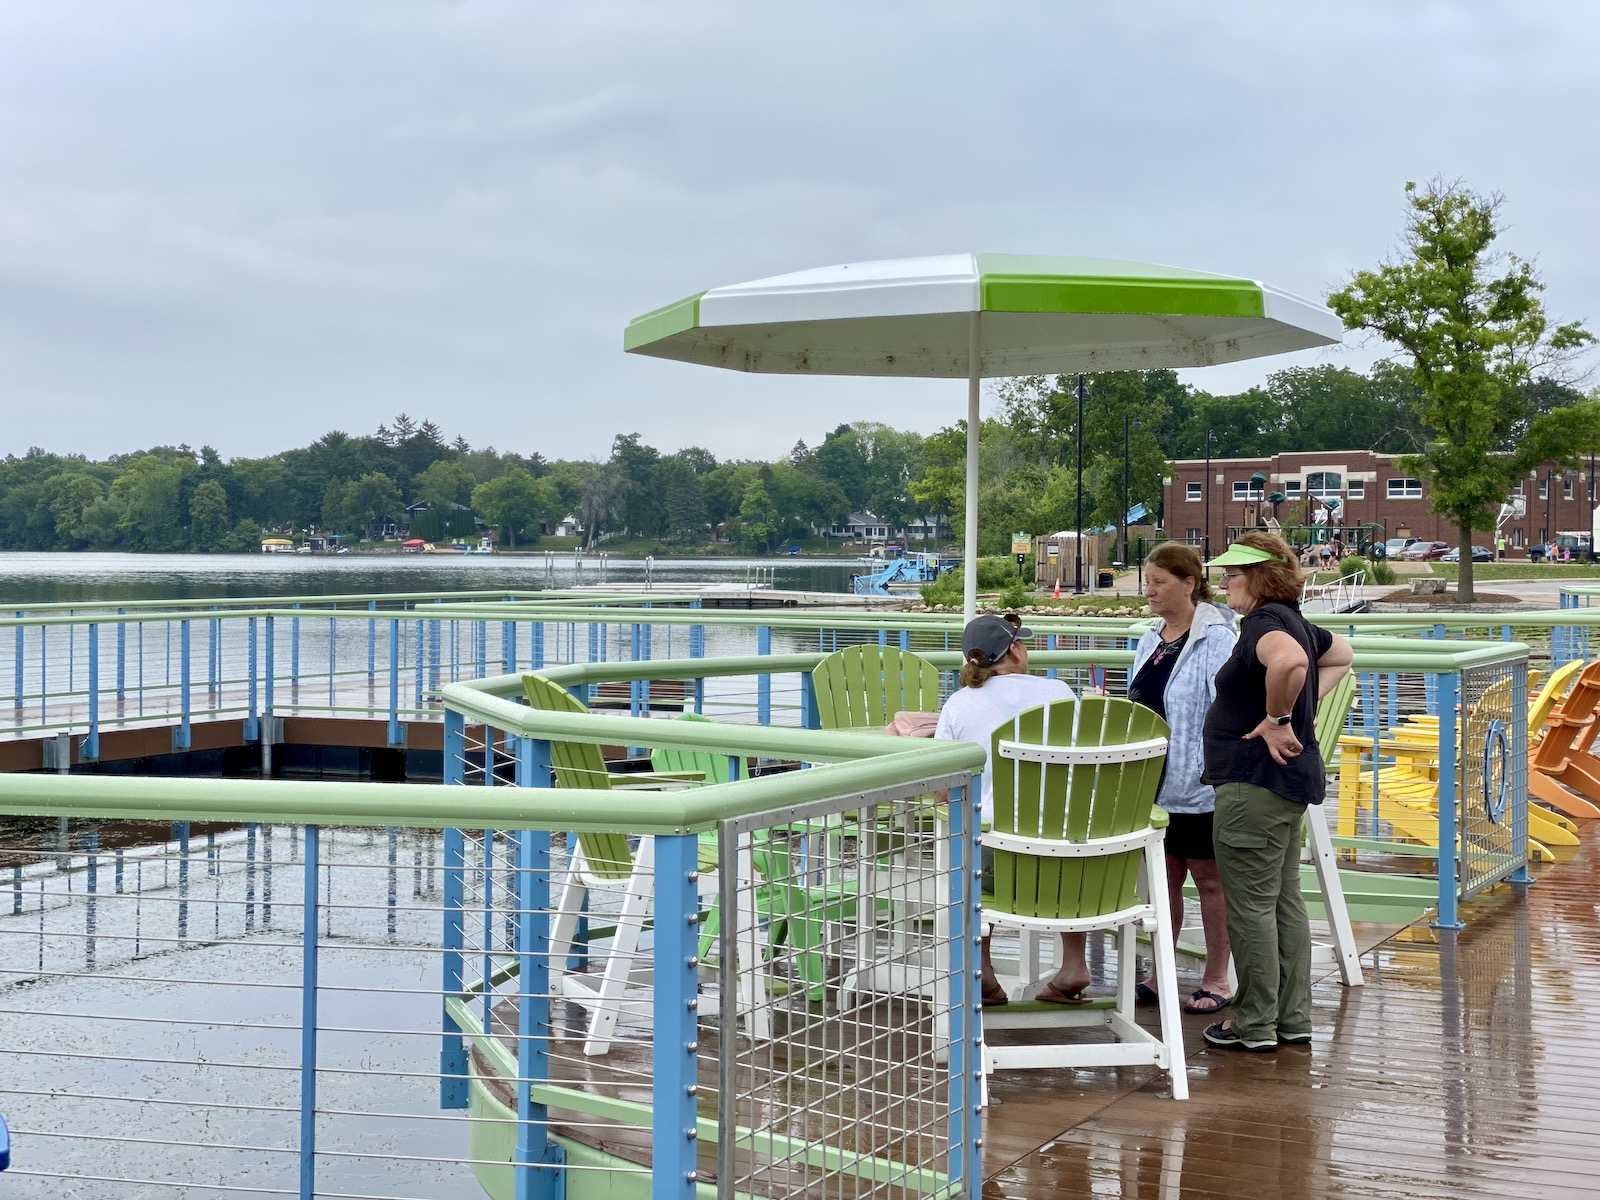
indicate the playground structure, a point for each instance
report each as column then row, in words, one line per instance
column 910, row 571
column 794, row 868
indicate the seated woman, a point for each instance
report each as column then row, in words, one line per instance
column 995, row 687
column 1174, row 672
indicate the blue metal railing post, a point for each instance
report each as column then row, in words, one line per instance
column 538, row 1160
column 697, row 649
column 453, row 1065
column 122, row 654
column 308, row 1019
column 294, row 653
column 16, row 661
column 1449, row 692
column 91, row 744
column 267, row 675
column 508, row 647
column 180, row 739
column 764, row 682
column 536, row 644
column 675, row 1042
column 965, row 1038
column 810, row 717
column 372, row 643
column 214, row 658
column 418, row 657
column 252, row 722
column 333, row 655
column 635, row 649
column 1050, row 644
column 397, row 736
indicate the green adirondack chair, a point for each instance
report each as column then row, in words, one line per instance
column 862, row 687
column 1074, row 819
column 603, row 862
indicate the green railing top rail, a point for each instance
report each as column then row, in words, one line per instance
column 863, row 762
column 554, row 597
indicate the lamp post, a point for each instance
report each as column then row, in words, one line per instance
column 1549, row 487
column 1127, row 423
column 1077, row 542
column 1210, row 437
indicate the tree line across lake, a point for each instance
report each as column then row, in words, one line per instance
column 177, row 499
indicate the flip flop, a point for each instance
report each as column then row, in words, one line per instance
column 995, row 997
column 1050, row 994
column 1221, row 1002
column 1143, row 993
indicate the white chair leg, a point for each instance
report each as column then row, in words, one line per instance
column 1320, row 844
column 1166, row 973
column 619, row 963
column 568, row 910
column 744, row 943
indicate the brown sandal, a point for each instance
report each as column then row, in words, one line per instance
column 1050, row 994
column 994, row 996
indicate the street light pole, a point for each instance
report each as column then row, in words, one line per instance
column 1127, row 423
column 1077, row 542
column 1210, row 437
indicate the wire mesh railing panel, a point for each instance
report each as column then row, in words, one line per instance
column 209, row 1010
column 843, row 980
column 1493, row 773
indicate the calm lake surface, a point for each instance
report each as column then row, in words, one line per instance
column 47, row 578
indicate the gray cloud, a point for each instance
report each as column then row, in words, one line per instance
column 245, row 225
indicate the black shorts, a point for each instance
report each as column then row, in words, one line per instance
column 1189, row 835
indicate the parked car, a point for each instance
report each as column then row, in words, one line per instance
column 1393, row 548
column 1421, row 551
column 1479, row 554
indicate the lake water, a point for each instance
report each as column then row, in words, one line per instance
column 65, row 577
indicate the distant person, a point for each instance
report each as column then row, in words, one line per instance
column 995, row 687
column 1337, row 550
column 1500, row 547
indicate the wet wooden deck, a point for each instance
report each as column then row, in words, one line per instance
column 1469, row 1065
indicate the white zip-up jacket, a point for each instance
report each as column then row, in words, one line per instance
column 1190, row 691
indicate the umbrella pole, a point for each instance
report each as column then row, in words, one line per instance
column 969, row 570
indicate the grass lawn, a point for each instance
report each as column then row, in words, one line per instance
column 1522, row 570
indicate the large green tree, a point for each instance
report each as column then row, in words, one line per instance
column 514, row 501
column 1469, row 324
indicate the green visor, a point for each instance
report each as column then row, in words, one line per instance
column 1239, row 555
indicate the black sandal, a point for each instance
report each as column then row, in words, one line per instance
column 1222, row 1002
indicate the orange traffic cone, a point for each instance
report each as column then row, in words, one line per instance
column 1056, row 595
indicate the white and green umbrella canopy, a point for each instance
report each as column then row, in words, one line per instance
column 977, row 316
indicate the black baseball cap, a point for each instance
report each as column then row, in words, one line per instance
column 993, row 635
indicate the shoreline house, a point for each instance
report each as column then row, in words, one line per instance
column 568, row 526
column 869, row 527
column 421, row 506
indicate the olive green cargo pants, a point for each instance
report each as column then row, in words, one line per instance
column 1257, row 838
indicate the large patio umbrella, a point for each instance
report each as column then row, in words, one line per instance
column 981, row 316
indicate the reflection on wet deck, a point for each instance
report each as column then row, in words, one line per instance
column 1465, row 1067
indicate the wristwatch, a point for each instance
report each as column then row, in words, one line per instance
column 1280, row 720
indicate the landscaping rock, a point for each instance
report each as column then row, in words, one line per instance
column 1428, row 587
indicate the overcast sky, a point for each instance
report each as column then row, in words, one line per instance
column 244, row 224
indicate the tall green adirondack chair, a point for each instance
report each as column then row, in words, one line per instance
column 602, row 862
column 1074, row 819
column 796, row 914
column 862, row 687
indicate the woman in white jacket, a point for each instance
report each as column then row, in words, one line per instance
column 1173, row 673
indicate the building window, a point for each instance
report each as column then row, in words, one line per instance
column 1357, row 489
column 1191, row 491
column 1243, row 491
column 1517, row 491
column 1516, row 538
column 1544, row 489
column 1405, row 489
column 1291, row 488
column 1194, row 536
column 1566, row 489
column 1324, row 485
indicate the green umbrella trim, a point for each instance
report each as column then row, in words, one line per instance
column 677, row 317
column 1020, row 284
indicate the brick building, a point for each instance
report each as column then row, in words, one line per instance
column 1370, row 490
